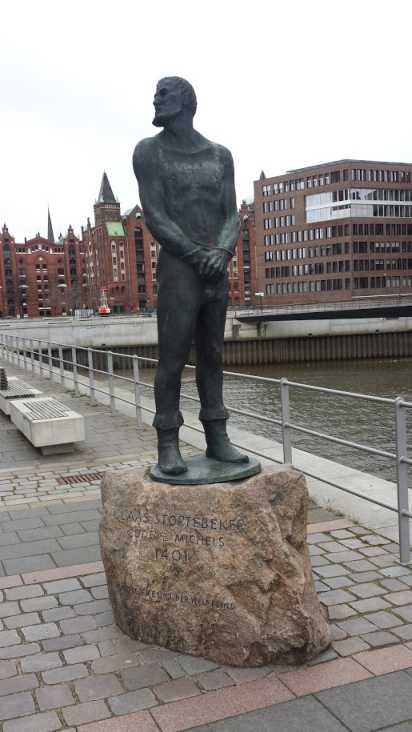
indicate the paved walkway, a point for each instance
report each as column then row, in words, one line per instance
column 65, row 665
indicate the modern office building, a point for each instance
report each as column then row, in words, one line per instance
column 335, row 231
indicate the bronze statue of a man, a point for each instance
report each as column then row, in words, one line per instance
column 186, row 186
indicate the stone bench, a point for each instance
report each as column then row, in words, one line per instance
column 17, row 389
column 48, row 424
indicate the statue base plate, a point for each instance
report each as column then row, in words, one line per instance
column 202, row 470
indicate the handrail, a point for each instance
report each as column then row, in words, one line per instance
column 16, row 348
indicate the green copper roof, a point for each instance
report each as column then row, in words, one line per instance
column 115, row 228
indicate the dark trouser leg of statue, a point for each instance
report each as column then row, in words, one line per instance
column 210, row 329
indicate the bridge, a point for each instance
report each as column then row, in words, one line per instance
column 362, row 307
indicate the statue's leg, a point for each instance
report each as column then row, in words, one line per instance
column 176, row 317
column 210, row 330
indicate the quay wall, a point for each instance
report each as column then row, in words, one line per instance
column 246, row 344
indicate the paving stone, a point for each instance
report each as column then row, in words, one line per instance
column 52, row 697
column 49, row 532
column 9, row 538
column 353, row 543
column 332, row 546
column 38, row 603
column 356, row 626
column 336, row 633
column 370, row 605
column 400, row 598
column 373, row 551
column 368, row 589
column 41, row 662
column 23, row 593
column 98, row 687
column 109, row 632
column 115, row 663
column 317, row 538
column 404, row 612
column 319, row 560
column 345, row 556
column 58, row 613
column 315, row 550
column 396, row 571
column 62, row 642
column 64, row 585
column 176, row 690
column 349, row 646
column 30, row 549
column 100, row 593
column 173, row 668
column 81, row 653
column 8, row 608
column 403, row 631
column 393, row 585
column 195, row 665
column 94, row 580
column 391, row 569
column 103, row 619
column 75, row 598
column 43, row 722
column 331, row 570
column 339, row 612
column 69, row 529
column 374, row 539
column 341, row 534
column 7, row 669
column 8, row 638
column 25, row 682
column 362, row 565
column 87, row 712
column 40, row 632
column 78, row 624
column 286, row 717
column 337, row 583
column 79, row 540
column 16, row 705
column 67, row 673
column 361, row 577
column 371, row 704
column 97, row 606
column 379, row 639
column 336, row 597
column 149, row 674
column 133, row 701
column 18, row 651
column 328, row 655
column 383, row 619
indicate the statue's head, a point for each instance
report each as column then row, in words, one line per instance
column 173, row 96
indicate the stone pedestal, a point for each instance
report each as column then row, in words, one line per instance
column 220, row 570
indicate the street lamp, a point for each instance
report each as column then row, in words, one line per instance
column 260, row 295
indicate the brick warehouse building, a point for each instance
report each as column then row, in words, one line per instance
column 41, row 277
column 334, row 232
column 121, row 257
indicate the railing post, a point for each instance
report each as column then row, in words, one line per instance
column 285, row 416
column 32, row 354
column 49, row 351
column 402, row 481
column 137, row 395
column 75, row 372
column 91, row 375
column 40, row 357
column 111, row 381
column 61, row 364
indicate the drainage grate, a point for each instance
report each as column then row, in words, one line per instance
column 47, row 409
column 16, row 391
column 74, row 479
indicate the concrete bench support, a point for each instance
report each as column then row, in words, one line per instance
column 48, row 424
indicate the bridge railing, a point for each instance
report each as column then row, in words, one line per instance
column 48, row 358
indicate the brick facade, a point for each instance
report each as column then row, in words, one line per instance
column 336, row 231
column 41, row 277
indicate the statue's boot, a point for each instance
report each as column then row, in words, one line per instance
column 170, row 460
column 219, row 446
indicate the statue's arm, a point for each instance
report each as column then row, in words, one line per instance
column 164, row 230
column 229, row 233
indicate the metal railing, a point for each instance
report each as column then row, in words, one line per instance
column 49, row 356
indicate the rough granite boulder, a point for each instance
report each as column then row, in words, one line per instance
column 219, row 570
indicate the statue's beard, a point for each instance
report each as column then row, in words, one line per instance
column 161, row 119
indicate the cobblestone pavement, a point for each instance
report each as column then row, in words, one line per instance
column 65, row 665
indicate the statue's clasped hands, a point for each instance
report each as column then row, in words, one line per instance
column 213, row 264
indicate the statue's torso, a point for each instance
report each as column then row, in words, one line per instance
column 192, row 185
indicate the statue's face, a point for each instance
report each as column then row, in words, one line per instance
column 168, row 102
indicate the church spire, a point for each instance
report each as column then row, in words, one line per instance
column 50, row 233
column 106, row 194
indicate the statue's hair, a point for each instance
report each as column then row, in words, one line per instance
column 188, row 93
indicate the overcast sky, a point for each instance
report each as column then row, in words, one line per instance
column 282, row 84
